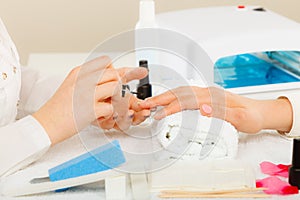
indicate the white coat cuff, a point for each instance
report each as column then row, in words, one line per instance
column 36, row 132
column 31, row 142
column 294, row 100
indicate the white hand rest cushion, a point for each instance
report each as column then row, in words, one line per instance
column 220, row 137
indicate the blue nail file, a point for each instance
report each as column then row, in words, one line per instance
column 103, row 158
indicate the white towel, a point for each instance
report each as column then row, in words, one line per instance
column 218, row 135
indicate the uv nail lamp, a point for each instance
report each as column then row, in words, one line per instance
column 255, row 51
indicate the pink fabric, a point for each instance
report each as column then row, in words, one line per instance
column 275, row 185
column 275, row 170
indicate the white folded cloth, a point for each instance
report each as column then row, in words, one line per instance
column 219, row 138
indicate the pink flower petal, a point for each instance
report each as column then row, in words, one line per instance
column 284, row 174
column 275, row 185
column 272, row 169
column 268, row 167
column 284, row 167
column 290, row 190
column 259, row 184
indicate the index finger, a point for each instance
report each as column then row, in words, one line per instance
column 128, row 74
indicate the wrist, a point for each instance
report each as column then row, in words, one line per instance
column 277, row 114
column 54, row 125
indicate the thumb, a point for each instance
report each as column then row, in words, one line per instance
column 235, row 116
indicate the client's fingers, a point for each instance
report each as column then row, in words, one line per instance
column 159, row 100
column 172, row 108
column 206, row 109
column 134, row 103
column 244, row 120
column 141, row 116
column 237, row 116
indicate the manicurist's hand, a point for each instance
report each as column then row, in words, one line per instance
column 245, row 114
column 90, row 92
column 127, row 111
column 135, row 116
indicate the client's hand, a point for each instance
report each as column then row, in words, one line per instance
column 245, row 114
column 88, row 93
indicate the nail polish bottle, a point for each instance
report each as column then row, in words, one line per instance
column 144, row 89
column 294, row 171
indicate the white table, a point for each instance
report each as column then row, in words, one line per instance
column 252, row 148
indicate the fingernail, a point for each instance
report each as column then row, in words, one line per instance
column 115, row 116
column 147, row 113
column 130, row 114
column 153, row 109
column 206, row 108
column 158, row 115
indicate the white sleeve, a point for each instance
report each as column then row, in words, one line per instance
column 25, row 140
column 21, row 143
column 295, row 102
column 36, row 90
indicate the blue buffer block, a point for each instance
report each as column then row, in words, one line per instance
column 103, row 158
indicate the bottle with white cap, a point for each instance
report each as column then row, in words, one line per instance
column 146, row 15
column 145, row 37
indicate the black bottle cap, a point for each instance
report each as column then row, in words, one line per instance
column 296, row 154
column 294, row 171
column 143, row 63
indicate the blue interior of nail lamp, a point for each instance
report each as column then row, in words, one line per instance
column 248, row 70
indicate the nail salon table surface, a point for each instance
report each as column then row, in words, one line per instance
column 266, row 146
column 253, row 149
